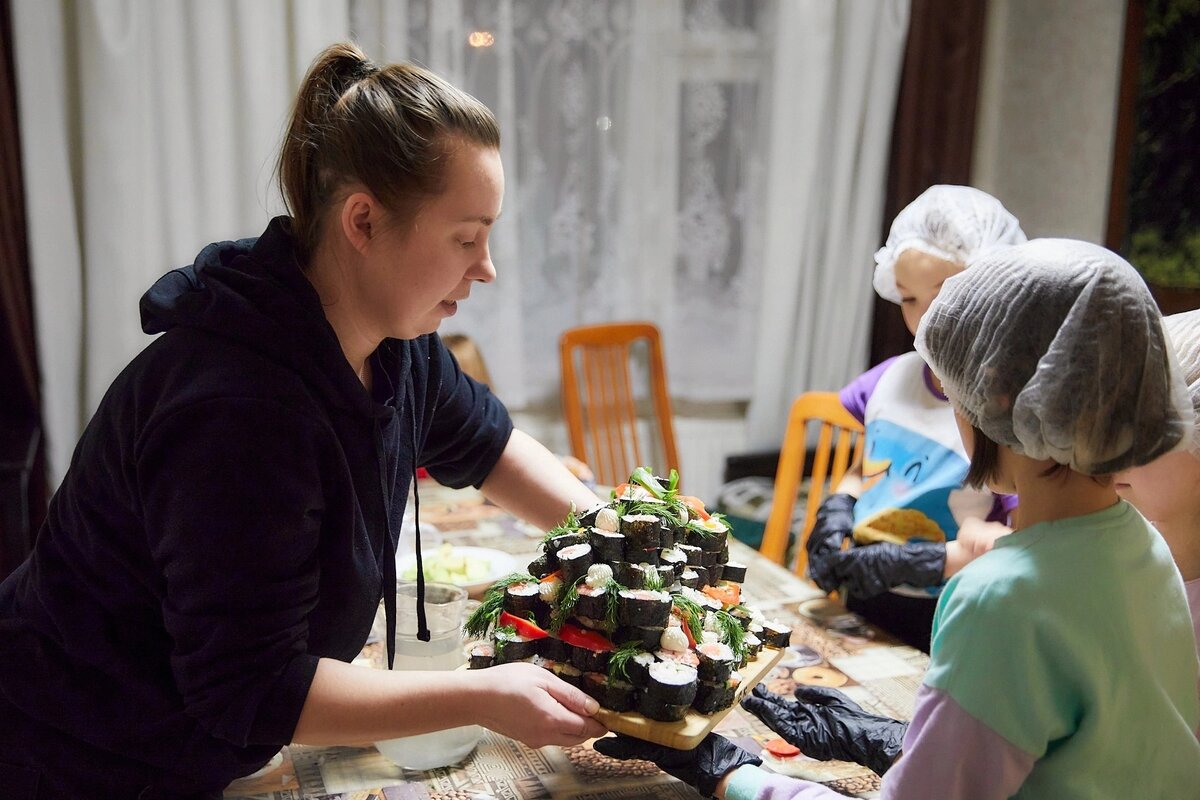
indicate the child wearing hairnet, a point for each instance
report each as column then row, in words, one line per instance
column 1167, row 490
column 1063, row 662
column 909, row 519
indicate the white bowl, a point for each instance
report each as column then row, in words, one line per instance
column 431, row 750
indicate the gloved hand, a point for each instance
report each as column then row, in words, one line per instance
column 872, row 569
column 827, row 724
column 702, row 767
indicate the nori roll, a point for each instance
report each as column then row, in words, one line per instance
column 653, row 708
column 574, row 561
column 672, row 683
column 648, row 638
column 512, row 647
column 642, row 531
column 713, row 697
column 589, row 660
column 734, row 572
column 644, row 608
column 776, row 634
column 521, row 599
column 611, row 693
column 609, row 546
column 716, row 661
column 480, row 655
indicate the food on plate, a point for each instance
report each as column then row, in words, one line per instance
column 633, row 601
column 449, row 564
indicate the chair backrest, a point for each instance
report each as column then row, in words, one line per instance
column 601, row 403
column 839, row 444
column 470, row 359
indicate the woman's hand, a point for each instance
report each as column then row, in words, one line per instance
column 531, row 705
column 975, row 537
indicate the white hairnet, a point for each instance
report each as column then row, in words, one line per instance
column 1056, row 349
column 956, row 223
column 1184, row 332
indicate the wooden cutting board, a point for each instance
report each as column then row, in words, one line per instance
column 687, row 733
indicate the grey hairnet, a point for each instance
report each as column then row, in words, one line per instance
column 1183, row 330
column 1056, row 349
column 956, row 223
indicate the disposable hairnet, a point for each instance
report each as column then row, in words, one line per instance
column 956, row 223
column 1183, row 330
column 1056, row 349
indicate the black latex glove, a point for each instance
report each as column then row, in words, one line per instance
column 702, row 767
column 826, row 724
column 871, row 569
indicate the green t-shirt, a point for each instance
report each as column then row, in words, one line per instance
column 1072, row 640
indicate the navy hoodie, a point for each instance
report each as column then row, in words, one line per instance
column 228, row 518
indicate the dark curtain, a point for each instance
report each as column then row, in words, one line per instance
column 22, row 461
column 934, row 131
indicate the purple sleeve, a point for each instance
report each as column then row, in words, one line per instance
column 752, row 783
column 858, row 391
column 950, row 754
column 1002, row 507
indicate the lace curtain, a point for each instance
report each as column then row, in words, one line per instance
column 632, row 148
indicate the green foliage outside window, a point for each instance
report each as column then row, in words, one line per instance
column 1164, row 199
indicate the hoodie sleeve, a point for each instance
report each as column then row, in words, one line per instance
column 469, row 427
column 232, row 497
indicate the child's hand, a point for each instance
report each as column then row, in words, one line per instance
column 975, row 537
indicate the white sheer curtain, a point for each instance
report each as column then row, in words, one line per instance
column 716, row 166
column 836, row 73
column 148, row 129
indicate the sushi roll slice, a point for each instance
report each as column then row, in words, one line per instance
column 644, row 608
column 511, row 647
column 521, row 599
column 672, row 683
column 716, row 661
column 631, row 575
column 553, row 546
column 642, row 531
column 653, row 708
column 592, row 602
column 646, row 558
column 776, row 634
column 713, row 697
column 638, row 669
column 480, row 655
column 574, row 561
column 540, row 566
column 587, row 660
column 734, row 572
column 611, row 693
column 647, row 638
column 701, row 576
column 588, row 518
column 674, row 558
column 568, row 673
column 687, row 658
column 694, row 555
column 554, row 649
column 754, row 646
column 689, row 578
column 609, row 546
column 666, row 534
column 716, row 572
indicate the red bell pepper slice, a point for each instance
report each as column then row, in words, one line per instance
column 574, row 635
column 523, row 626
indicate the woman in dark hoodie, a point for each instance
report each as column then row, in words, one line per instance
column 227, row 528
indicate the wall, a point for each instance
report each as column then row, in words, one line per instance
column 1047, row 112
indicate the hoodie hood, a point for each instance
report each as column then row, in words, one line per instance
column 254, row 291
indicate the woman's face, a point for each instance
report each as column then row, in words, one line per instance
column 1166, row 488
column 919, row 278
column 413, row 276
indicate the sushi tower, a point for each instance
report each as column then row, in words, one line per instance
column 635, row 601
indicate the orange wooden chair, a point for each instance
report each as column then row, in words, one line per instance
column 839, row 444
column 604, row 405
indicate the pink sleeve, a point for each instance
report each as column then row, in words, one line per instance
column 951, row 755
column 752, row 783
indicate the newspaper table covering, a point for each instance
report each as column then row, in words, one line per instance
column 829, row 646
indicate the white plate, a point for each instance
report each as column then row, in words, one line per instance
column 499, row 565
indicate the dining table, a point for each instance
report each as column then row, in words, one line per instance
column 829, row 647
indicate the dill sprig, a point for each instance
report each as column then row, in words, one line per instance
column 502, row 638
column 654, row 579
column 566, row 605
column 664, row 511
column 569, row 525
column 488, row 610
column 692, row 615
column 618, row 662
column 732, row 633
column 612, row 602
